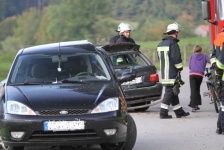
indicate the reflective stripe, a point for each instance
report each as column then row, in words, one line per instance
column 176, row 107
column 220, row 65
column 165, row 50
column 164, row 106
column 159, row 54
column 180, row 65
column 167, row 65
column 222, row 108
column 213, row 60
column 167, row 81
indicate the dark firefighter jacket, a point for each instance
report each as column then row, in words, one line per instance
column 220, row 61
column 124, row 39
column 170, row 60
column 217, row 56
column 114, row 39
column 218, row 44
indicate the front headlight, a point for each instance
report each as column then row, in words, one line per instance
column 111, row 104
column 17, row 108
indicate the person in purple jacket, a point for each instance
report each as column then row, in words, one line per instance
column 197, row 64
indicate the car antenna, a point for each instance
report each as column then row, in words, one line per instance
column 59, row 56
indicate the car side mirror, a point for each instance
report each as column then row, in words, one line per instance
column 126, row 76
column 206, row 10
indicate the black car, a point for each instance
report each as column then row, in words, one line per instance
column 64, row 94
column 145, row 90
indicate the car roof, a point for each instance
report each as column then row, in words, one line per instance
column 82, row 45
column 117, row 47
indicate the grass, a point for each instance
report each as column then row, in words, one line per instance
column 6, row 59
column 148, row 48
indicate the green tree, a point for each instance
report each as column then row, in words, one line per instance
column 7, row 26
column 27, row 25
column 73, row 20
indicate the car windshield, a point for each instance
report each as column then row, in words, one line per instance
column 46, row 68
column 129, row 59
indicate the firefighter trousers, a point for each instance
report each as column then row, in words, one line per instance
column 220, row 122
column 170, row 99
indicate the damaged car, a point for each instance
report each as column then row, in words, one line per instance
column 143, row 91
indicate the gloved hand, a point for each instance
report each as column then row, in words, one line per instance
column 213, row 65
column 176, row 89
column 180, row 82
column 218, row 71
column 180, row 69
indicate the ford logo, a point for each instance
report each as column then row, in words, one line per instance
column 63, row 112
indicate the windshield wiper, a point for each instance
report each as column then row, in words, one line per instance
column 72, row 81
column 31, row 83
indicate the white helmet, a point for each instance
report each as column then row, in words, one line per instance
column 119, row 26
column 173, row 27
column 124, row 27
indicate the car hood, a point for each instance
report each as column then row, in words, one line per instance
column 61, row 96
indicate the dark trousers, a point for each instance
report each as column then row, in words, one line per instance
column 170, row 98
column 195, row 84
column 220, row 122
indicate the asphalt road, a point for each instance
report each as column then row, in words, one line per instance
column 195, row 132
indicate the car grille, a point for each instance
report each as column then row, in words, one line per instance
column 62, row 135
column 63, row 112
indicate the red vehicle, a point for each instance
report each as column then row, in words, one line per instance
column 213, row 11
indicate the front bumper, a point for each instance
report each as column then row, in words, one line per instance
column 36, row 136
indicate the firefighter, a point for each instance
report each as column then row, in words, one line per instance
column 219, row 71
column 171, row 65
column 218, row 64
column 116, row 37
column 125, row 33
column 217, row 46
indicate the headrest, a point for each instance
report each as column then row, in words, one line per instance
column 39, row 70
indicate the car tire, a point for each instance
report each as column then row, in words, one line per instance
column 141, row 109
column 131, row 134
column 130, row 141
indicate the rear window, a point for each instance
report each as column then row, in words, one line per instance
column 136, row 60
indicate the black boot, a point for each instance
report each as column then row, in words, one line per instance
column 219, row 131
column 165, row 116
column 219, row 125
column 184, row 114
column 181, row 113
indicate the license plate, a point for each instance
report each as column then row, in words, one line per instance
column 64, row 125
column 135, row 81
